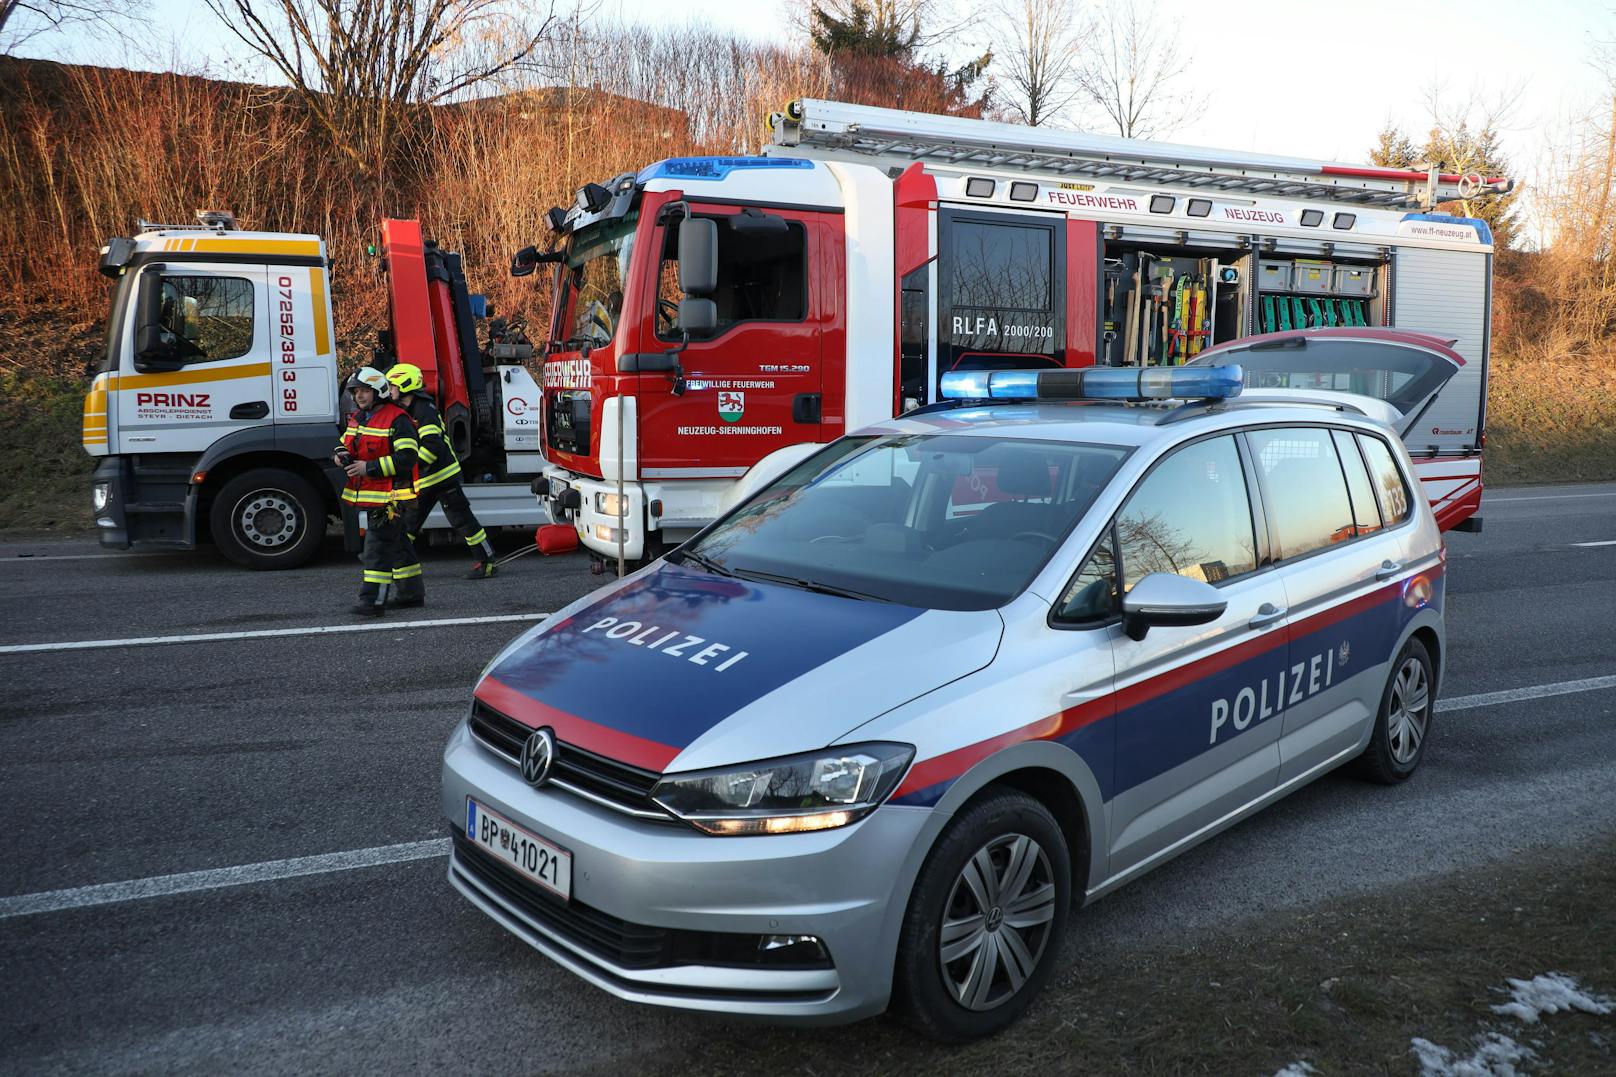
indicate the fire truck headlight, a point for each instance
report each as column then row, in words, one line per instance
column 814, row 791
column 100, row 496
column 611, row 504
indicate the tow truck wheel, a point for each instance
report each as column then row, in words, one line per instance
column 268, row 519
column 1403, row 725
column 985, row 920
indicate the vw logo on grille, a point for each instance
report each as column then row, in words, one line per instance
column 537, row 755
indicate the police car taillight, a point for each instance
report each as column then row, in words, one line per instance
column 1096, row 383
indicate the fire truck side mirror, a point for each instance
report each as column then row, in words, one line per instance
column 698, row 256
column 697, row 317
column 155, row 348
column 524, row 261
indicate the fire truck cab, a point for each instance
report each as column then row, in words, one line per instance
column 716, row 318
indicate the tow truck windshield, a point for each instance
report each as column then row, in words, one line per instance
column 934, row 521
column 597, row 267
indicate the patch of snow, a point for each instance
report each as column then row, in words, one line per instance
column 1297, row 1069
column 1495, row 1056
column 1550, row 993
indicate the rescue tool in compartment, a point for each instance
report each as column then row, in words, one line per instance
column 1246, row 593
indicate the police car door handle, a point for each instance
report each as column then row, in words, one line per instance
column 1266, row 614
column 1388, row 569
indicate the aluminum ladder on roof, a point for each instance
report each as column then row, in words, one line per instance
column 900, row 136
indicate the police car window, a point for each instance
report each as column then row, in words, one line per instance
column 1306, row 489
column 207, row 318
column 1190, row 516
column 1092, row 594
column 935, row 521
column 1364, row 508
column 1388, row 478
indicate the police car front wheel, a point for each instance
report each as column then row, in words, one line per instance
column 985, row 920
column 1403, row 726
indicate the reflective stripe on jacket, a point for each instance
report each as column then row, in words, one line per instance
column 385, row 439
column 438, row 460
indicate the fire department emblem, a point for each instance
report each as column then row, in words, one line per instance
column 731, row 406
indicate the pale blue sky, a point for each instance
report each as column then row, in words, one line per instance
column 1310, row 79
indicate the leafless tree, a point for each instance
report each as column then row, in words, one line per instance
column 1040, row 60
column 21, row 20
column 359, row 65
column 1136, row 76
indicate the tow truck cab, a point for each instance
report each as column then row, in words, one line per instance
column 217, row 406
column 217, row 397
column 714, row 319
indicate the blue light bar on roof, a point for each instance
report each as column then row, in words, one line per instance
column 1096, row 383
column 714, row 168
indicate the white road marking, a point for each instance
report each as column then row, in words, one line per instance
column 270, row 870
column 1532, row 691
column 379, row 625
column 1545, row 497
column 1607, row 542
column 187, row 882
column 25, row 558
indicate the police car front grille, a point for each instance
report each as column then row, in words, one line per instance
column 593, row 777
column 622, row 943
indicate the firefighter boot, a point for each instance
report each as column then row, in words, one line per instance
column 409, row 592
column 484, row 566
column 372, row 604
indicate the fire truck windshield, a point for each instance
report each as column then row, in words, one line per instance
column 597, row 267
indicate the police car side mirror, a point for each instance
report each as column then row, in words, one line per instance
column 1166, row 600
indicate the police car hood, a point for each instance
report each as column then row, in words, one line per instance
column 679, row 669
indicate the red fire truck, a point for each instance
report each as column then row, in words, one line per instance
column 715, row 319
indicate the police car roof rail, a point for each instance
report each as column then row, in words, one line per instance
column 896, row 135
column 1205, row 407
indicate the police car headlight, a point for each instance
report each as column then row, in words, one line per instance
column 814, row 791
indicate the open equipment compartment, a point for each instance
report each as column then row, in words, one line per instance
column 1162, row 305
column 1304, row 292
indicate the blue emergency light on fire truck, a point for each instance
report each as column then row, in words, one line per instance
column 716, row 319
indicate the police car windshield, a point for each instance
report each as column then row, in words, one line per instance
column 935, row 521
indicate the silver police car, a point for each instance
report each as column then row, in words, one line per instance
column 866, row 740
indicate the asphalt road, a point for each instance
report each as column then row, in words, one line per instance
column 127, row 763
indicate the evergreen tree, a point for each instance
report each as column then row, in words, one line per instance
column 1393, row 149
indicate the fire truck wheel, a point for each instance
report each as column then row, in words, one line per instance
column 268, row 519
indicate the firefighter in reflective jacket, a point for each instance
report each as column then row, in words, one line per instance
column 439, row 481
column 378, row 452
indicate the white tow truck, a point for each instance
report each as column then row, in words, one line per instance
column 218, row 405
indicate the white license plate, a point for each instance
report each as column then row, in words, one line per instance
column 523, row 850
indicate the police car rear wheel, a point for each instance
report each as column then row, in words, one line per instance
column 984, row 921
column 268, row 519
column 1404, row 724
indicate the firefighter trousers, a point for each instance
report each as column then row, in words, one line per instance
column 389, row 557
column 456, row 509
